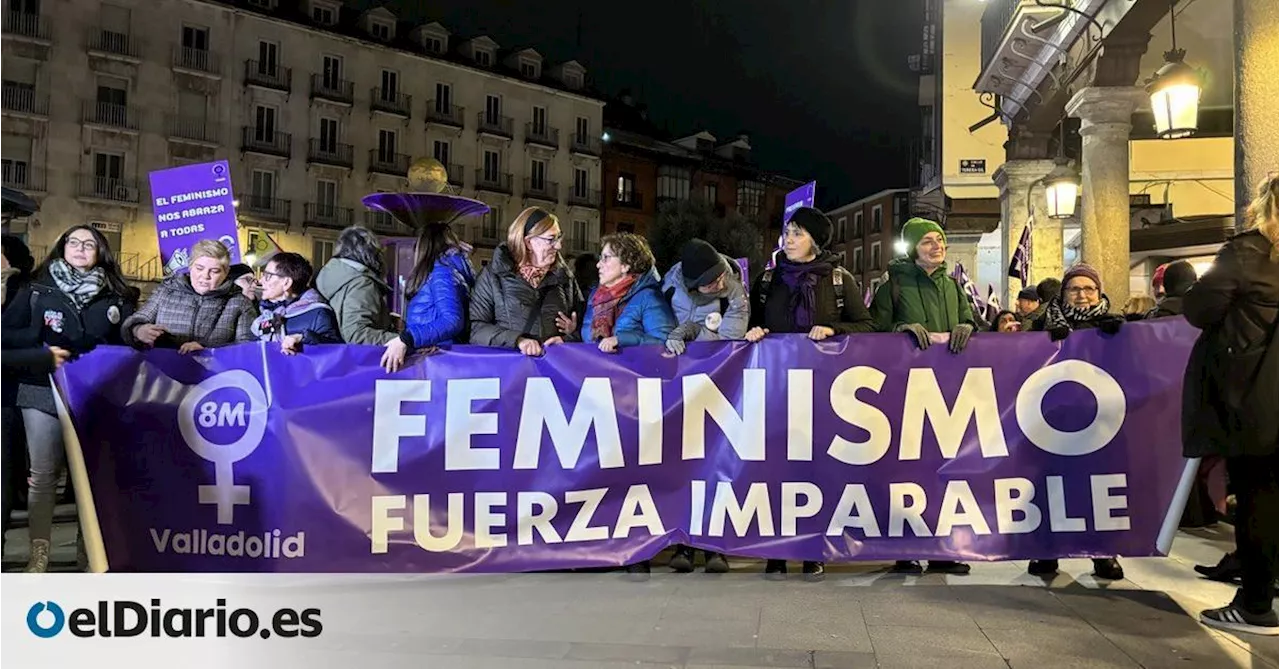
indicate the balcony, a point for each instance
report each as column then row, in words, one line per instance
column 137, row 267
column 332, row 89
column 587, row 145
column 265, row 142
column 109, row 189
column 326, row 216
column 188, row 129
column 456, row 173
column 547, row 191
column 109, row 115
column 268, row 209
column 22, row 100
column 265, row 75
column 629, row 200
column 394, row 164
column 25, row 178
column 445, row 114
column 1013, row 58
column 382, row 222
column 26, row 27
column 330, row 153
column 496, row 125
column 543, row 136
column 494, row 182
column 197, row 61
column 390, row 102
column 584, row 198
column 114, row 45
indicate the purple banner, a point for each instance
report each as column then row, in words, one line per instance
column 191, row 203
column 855, row 448
column 803, row 196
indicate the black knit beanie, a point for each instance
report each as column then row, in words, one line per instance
column 701, row 263
column 816, row 224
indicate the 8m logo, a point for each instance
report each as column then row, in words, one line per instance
column 123, row 618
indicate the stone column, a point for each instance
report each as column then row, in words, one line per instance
column 1257, row 89
column 1015, row 178
column 1104, row 113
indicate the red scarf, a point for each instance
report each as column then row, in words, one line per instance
column 606, row 304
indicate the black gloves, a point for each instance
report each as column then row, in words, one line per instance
column 917, row 331
column 1059, row 333
column 1110, row 324
column 960, row 337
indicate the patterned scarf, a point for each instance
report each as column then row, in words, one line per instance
column 606, row 304
column 801, row 278
column 79, row 287
column 1059, row 314
column 532, row 273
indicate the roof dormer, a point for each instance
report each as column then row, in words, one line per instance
column 323, row 12
column 380, row 23
column 702, row 142
column 432, row 37
column 738, row 148
column 527, row 62
column 572, row 74
column 482, row 50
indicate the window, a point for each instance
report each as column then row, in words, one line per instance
column 484, row 58
column 195, row 38
column 491, row 166
column 264, row 124
column 268, row 58
column 582, row 127
column 842, row 225
column 444, row 98
column 326, row 198
column 387, row 145
column 332, row 72
column 489, row 224
column 711, row 193
column 321, row 252
column 875, row 256
column 538, row 175
column 323, row 15
column 857, row 225
column 492, row 108
column 112, row 91
column 673, row 182
column 528, row 69
column 329, row 135
column 539, row 124
column 17, row 159
column 381, row 31
column 108, row 165
column 573, row 80
column 877, row 218
column 579, row 234
column 434, row 45
column 857, row 259
column 263, row 189
column 626, row 188
column 440, row 151
column 580, row 181
column 390, row 85
column 750, row 197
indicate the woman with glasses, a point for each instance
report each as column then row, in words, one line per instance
column 526, row 298
column 77, row 300
column 1080, row 305
column 627, row 307
column 291, row 312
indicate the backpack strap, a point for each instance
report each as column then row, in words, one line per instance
column 724, row 305
column 837, row 282
column 766, row 279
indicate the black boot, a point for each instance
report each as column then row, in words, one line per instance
column 814, row 571
column 1108, row 568
column 682, row 560
column 775, row 570
column 638, row 572
column 948, row 567
column 1042, row 567
column 716, row 564
column 906, row 567
column 1227, row 570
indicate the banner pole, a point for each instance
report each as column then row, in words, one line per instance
column 85, row 508
column 1172, row 517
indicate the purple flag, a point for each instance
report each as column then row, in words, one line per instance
column 993, row 304
column 1020, row 262
column 803, row 196
column 867, row 296
column 472, row 459
column 966, row 284
column 191, row 203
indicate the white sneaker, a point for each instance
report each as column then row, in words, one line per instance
column 1235, row 618
column 38, row 563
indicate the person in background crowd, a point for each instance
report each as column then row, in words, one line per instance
column 525, row 298
column 807, row 292
column 627, row 308
column 707, row 297
column 291, row 312
column 1157, row 282
column 1230, row 398
column 16, row 264
column 1028, row 301
column 194, row 310
column 921, row 299
column 1082, row 304
column 585, row 272
column 1046, row 290
column 17, row 267
column 76, row 301
column 352, row 283
column 1006, row 321
column 1138, row 307
column 242, row 275
column 1179, row 276
column 439, row 290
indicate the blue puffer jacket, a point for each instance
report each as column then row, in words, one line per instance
column 307, row 315
column 437, row 313
column 645, row 318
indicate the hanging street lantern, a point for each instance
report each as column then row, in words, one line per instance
column 1061, row 188
column 1175, row 91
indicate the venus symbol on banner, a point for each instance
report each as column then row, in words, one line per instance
column 197, row 413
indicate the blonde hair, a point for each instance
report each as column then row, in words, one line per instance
column 210, row 248
column 1139, row 304
column 1262, row 211
column 516, row 235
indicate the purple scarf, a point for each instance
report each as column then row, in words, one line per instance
column 800, row 279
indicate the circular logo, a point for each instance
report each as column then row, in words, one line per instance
column 218, row 169
column 198, row 412
column 55, row 625
column 113, row 314
column 714, row 319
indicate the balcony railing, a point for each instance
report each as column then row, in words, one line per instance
column 24, row 177
column 102, row 41
column 585, row 144
column 110, row 115
column 456, row 174
column 544, row 136
column 115, row 189
column 445, row 114
column 332, row 89
column 266, row 142
column 24, row 99
column 330, row 153
column 996, row 17
column 257, row 73
column 138, row 267
column 395, row 164
column 630, row 199
column 584, row 198
column 494, row 182
column 194, row 129
column 25, row 24
column 542, row 190
column 494, row 124
column 327, row 215
column 391, row 102
column 196, row 60
column 264, row 208
column 381, row 221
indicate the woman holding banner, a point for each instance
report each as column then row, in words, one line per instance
column 438, row 291
column 627, row 308
column 353, row 284
column 75, row 302
column 291, row 312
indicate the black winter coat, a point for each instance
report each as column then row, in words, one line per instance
column 1229, row 394
column 505, row 307
column 1171, row 305
column 771, row 307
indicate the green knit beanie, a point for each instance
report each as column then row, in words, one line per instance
column 915, row 229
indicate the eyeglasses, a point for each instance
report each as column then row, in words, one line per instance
column 271, row 275
column 550, row 241
column 608, row 256
column 1083, row 290
column 86, row 244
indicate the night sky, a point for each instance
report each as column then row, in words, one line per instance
column 821, row 86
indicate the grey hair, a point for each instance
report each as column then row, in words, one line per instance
column 360, row 244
